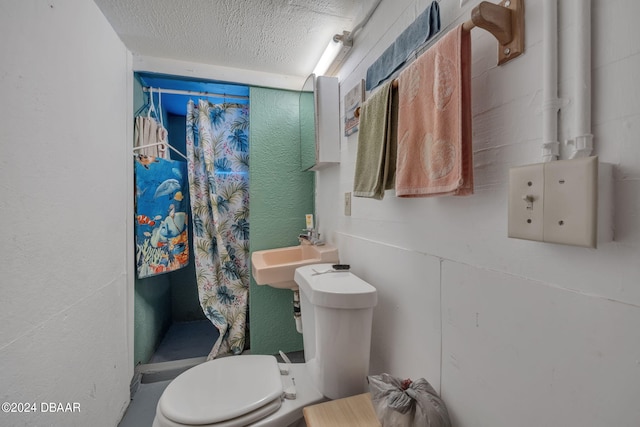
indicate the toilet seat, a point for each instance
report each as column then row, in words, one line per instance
column 226, row 392
column 244, row 420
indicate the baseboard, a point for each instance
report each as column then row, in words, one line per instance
column 135, row 383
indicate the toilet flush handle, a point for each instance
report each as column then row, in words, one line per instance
column 284, row 367
column 290, row 392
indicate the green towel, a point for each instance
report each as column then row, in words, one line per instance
column 377, row 144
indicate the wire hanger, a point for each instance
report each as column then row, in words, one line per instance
column 152, row 106
column 145, row 106
column 164, row 146
column 158, row 116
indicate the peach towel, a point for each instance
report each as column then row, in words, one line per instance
column 434, row 121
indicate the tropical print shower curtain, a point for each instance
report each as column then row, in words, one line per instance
column 218, row 169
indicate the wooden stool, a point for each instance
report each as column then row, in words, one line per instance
column 354, row 411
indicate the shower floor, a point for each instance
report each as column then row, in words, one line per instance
column 186, row 340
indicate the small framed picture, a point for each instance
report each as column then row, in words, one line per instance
column 352, row 101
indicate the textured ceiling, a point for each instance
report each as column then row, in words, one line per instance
column 285, row 37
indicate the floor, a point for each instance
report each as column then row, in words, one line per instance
column 182, row 347
column 142, row 408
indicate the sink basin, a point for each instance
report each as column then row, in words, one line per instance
column 276, row 267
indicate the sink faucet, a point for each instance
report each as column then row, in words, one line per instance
column 310, row 237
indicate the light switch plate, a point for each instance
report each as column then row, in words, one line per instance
column 557, row 202
column 571, row 202
column 347, row 204
column 526, row 203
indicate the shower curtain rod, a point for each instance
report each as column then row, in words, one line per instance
column 194, row 93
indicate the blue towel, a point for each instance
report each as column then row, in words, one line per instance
column 161, row 230
column 422, row 29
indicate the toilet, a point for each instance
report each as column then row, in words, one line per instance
column 256, row 390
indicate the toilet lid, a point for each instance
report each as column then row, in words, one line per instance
column 222, row 389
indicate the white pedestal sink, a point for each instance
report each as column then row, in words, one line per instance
column 276, row 267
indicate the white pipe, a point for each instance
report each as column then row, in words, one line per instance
column 297, row 315
column 550, row 102
column 364, row 21
column 583, row 140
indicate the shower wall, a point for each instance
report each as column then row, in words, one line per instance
column 185, row 302
column 152, row 301
column 166, row 298
column 280, row 197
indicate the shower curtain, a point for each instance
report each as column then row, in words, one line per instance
column 218, row 170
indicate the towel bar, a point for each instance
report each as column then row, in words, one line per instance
column 394, row 84
column 505, row 21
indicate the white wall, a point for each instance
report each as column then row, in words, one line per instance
column 511, row 332
column 65, row 181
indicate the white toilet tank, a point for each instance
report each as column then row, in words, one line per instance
column 337, row 313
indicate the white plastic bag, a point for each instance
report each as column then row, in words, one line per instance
column 406, row 403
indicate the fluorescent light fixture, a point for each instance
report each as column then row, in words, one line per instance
column 333, row 55
column 330, row 53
